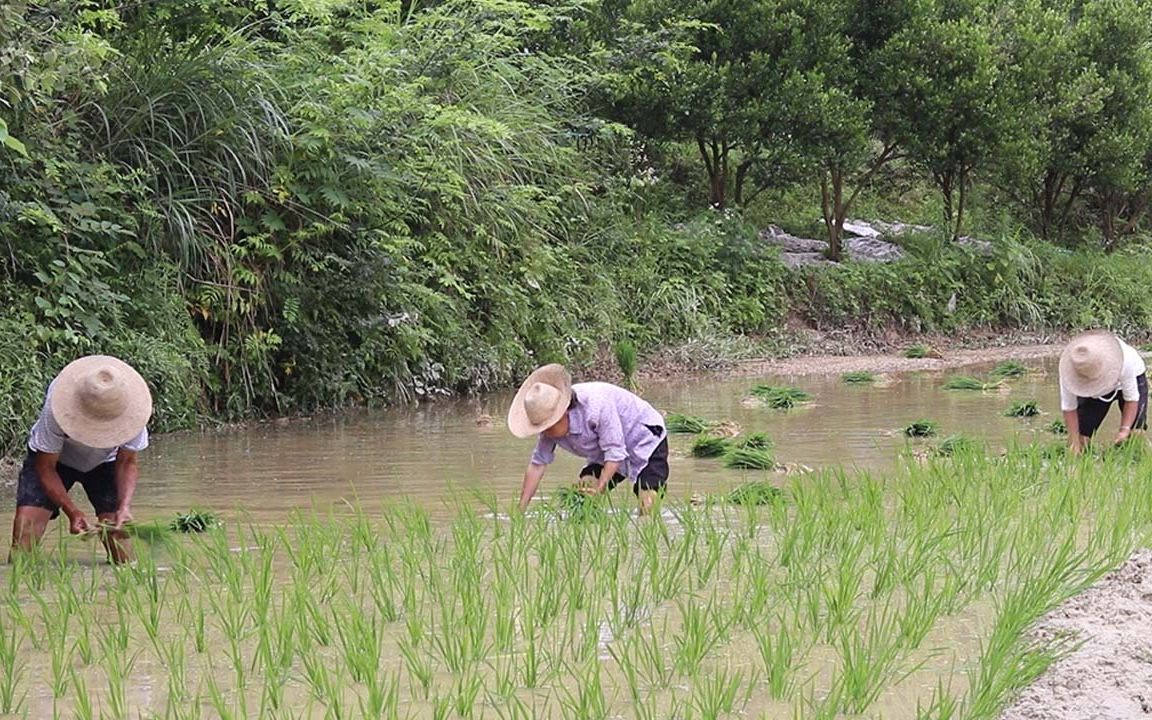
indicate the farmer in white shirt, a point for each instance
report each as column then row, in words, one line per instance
column 91, row 427
column 1096, row 370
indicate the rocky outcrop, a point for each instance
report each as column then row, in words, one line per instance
column 864, row 241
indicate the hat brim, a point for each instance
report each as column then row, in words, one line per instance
column 1112, row 365
column 93, row 432
column 556, row 376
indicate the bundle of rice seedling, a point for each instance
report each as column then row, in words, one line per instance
column 573, row 503
column 749, row 459
column 759, row 492
column 1057, row 427
column 755, row 441
column 780, row 398
column 688, row 424
column 954, row 444
column 708, row 446
column 195, row 521
column 1009, row 369
column 1023, row 409
column 858, row 377
column 920, row 429
column 964, row 382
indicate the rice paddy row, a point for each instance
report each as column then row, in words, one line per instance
column 839, row 594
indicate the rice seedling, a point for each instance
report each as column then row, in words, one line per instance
column 780, row 398
column 686, row 424
column 921, row 429
column 465, row 693
column 858, row 377
column 965, row 382
column 1023, row 409
column 1009, row 369
column 1057, row 427
column 12, row 694
column 955, row 445
column 757, row 492
column 715, row 695
column 755, row 441
column 749, row 459
column 920, row 351
column 707, row 446
column 625, row 353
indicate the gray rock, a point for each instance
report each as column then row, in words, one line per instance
column 981, row 246
column 896, row 229
column 871, row 250
column 794, row 260
column 861, row 229
column 773, row 235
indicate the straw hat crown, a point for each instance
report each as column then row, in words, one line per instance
column 541, row 401
column 101, row 401
column 1091, row 363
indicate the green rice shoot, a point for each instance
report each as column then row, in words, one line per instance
column 755, row 441
column 858, row 377
column 625, row 353
column 1023, row 409
column 953, row 445
column 780, row 398
column 195, row 521
column 757, row 492
column 749, row 459
column 921, row 429
column 965, row 382
column 709, row 446
column 687, row 424
column 1009, row 369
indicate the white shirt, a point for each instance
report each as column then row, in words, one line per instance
column 48, row 437
column 1133, row 367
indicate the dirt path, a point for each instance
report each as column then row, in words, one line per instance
column 1110, row 676
column 895, row 362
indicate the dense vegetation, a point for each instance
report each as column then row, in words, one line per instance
column 287, row 204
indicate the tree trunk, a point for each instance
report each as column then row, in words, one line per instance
column 960, row 205
column 715, row 157
column 833, row 209
column 741, row 175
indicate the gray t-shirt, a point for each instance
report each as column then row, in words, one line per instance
column 48, row 437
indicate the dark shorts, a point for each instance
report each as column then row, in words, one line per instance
column 99, row 484
column 1092, row 411
column 654, row 476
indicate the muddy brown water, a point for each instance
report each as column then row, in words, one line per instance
column 440, row 454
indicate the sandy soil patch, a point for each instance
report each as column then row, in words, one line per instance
column 1109, row 677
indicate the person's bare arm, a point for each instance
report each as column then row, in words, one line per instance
column 126, row 473
column 532, row 477
column 54, row 489
column 611, row 467
column 1072, row 424
column 1127, row 417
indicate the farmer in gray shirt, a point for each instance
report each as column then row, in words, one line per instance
column 91, row 427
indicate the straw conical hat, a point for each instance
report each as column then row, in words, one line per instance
column 1091, row 363
column 101, row 401
column 541, row 401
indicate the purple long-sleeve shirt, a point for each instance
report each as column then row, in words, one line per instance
column 607, row 424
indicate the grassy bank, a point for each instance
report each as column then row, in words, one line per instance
column 907, row 594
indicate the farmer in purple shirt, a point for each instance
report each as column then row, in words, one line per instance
column 617, row 433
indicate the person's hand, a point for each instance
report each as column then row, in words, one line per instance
column 1122, row 436
column 1075, row 447
column 78, row 524
column 123, row 516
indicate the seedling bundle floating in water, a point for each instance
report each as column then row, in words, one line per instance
column 1023, row 409
column 687, row 424
column 1009, row 369
column 780, row 398
column 759, row 492
column 964, row 382
column 859, row 377
column 1057, row 427
column 920, row 351
column 708, row 446
column 921, row 429
column 743, row 458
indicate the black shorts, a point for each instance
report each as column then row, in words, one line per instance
column 1092, row 411
column 654, row 476
column 99, row 484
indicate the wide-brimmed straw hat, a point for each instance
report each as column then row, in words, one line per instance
column 1091, row 363
column 101, row 401
column 541, row 401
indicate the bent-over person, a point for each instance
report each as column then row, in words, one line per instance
column 1098, row 369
